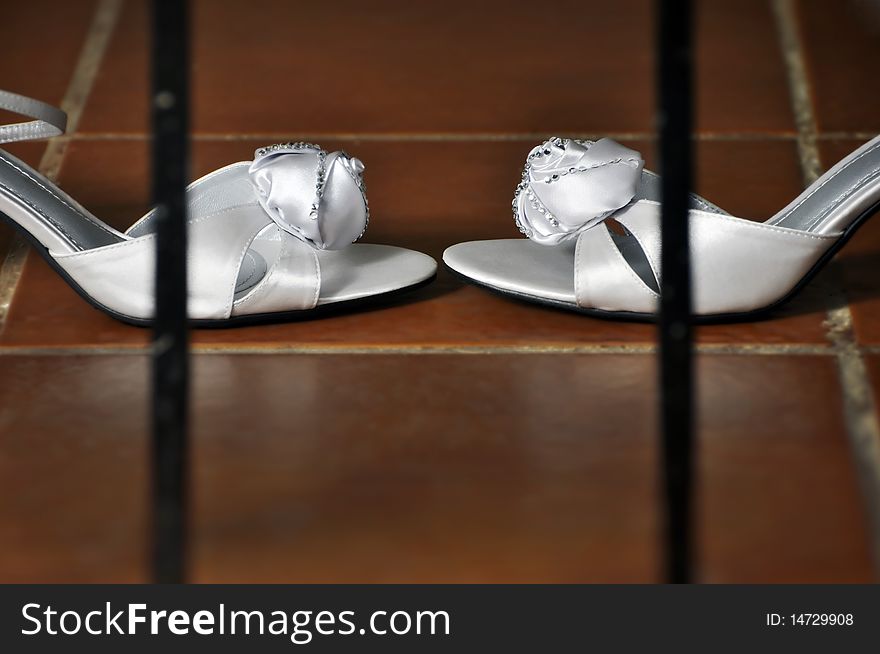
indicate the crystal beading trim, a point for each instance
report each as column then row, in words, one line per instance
column 524, row 184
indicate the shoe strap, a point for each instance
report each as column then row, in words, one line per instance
column 48, row 121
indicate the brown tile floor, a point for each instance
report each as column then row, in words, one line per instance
column 427, row 473
column 472, row 67
column 841, row 39
column 399, row 488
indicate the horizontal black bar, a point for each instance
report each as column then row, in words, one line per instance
column 468, row 618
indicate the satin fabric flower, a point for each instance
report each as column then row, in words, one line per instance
column 315, row 196
column 569, row 186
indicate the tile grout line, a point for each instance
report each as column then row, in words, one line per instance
column 429, row 137
column 860, row 414
column 455, row 137
column 73, row 103
column 596, row 349
column 799, row 90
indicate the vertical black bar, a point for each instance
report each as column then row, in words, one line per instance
column 170, row 156
column 676, row 357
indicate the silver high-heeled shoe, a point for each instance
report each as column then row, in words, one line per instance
column 269, row 239
column 740, row 268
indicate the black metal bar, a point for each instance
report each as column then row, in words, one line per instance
column 170, row 157
column 676, row 352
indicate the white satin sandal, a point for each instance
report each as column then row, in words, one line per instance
column 571, row 190
column 269, row 239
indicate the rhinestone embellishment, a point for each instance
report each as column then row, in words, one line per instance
column 298, row 146
column 523, row 185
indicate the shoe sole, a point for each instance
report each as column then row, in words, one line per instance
column 320, row 311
